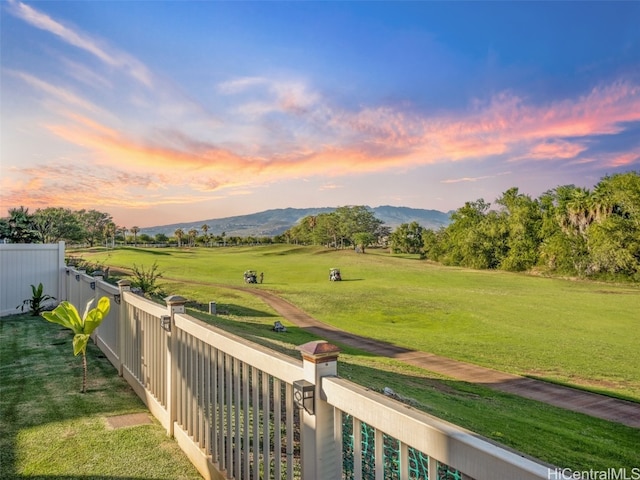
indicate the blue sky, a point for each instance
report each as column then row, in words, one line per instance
column 163, row 112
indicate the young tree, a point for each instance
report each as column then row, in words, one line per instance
column 67, row 315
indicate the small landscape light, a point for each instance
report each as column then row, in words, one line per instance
column 165, row 322
column 304, row 395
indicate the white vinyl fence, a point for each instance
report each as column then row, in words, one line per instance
column 26, row 264
column 242, row 411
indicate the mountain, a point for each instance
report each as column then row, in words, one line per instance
column 276, row 221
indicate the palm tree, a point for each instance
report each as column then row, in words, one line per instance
column 124, row 231
column 193, row 233
column 20, row 224
column 580, row 212
column 179, row 233
column 110, row 233
column 205, row 229
column 602, row 201
column 135, row 231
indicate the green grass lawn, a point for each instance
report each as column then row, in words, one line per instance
column 48, row 429
column 575, row 332
column 579, row 332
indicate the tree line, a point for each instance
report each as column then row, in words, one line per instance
column 54, row 224
column 92, row 227
column 568, row 230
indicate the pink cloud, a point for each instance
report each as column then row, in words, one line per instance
column 473, row 179
column 623, row 159
column 554, row 149
column 505, row 126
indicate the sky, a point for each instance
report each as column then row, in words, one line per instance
column 161, row 112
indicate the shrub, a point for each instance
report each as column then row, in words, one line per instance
column 146, row 279
column 37, row 302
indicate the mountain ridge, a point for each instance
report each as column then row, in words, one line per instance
column 276, row 221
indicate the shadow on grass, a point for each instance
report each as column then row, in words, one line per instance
column 40, row 383
column 149, row 251
column 231, row 309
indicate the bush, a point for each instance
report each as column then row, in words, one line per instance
column 38, row 301
column 146, row 279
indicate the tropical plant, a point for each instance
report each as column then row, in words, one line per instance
column 135, row 230
column 146, row 279
column 179, row 234
column 192, row 234
column 18, row 226
column 205, row 235
column 67, row 315
column 37, row 301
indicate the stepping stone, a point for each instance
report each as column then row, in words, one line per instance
column 130, row 420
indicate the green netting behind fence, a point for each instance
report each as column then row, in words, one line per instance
column 418, row 461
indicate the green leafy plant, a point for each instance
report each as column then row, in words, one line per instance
column 146, row 279
column 67, row 315
column 37, row 302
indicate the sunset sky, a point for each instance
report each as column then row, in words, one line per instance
column 160, row 112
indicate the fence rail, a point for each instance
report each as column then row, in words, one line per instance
column 240, row 410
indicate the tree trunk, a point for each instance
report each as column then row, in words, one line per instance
column 84, row 373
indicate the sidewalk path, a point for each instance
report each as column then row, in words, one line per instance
column 601, row 406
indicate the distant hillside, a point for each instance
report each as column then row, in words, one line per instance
column 277, row 221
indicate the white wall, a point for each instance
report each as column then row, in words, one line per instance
column 23, row 265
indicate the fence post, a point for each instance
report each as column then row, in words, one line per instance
column 319, row 453
column 125, row 286
column 62, row 278
column 175, row 304
column 98, row 276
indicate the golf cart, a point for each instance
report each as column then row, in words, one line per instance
column 250, row 276
column 334, row 275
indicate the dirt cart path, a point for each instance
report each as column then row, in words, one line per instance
column 600, row 406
